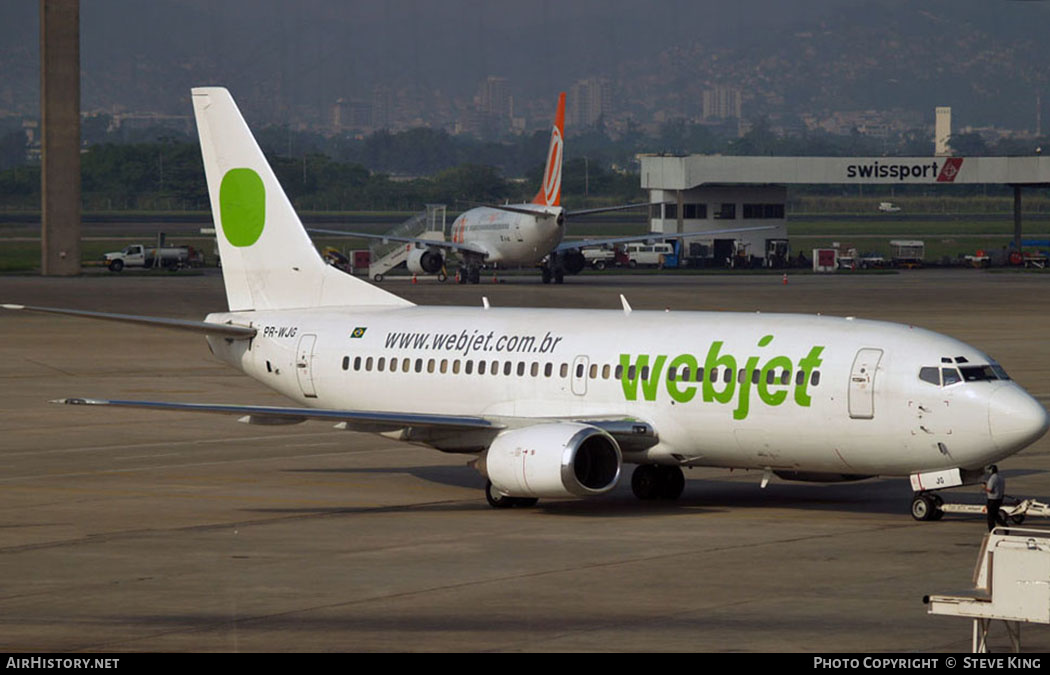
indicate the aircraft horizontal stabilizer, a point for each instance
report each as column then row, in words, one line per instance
column 225, row 330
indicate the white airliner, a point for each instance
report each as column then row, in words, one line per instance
column 554, row 403
column 519, row 235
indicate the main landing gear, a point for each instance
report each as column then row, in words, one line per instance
column 557, row 274
column 469, row 274
column 656, row 481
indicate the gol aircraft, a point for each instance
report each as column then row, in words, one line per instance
column 519, row 235
column 556, row 402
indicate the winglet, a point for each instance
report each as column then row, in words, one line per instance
column 550, row 189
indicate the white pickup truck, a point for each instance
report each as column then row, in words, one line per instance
column 168, row 257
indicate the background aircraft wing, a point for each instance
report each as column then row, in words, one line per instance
column 569, row 245
column 605, row 209
column 435, row 243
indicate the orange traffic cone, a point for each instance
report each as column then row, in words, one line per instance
column 415, row 282
column 785, row 278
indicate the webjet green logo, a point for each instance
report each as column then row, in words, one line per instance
column 242, row 205
column 724, row 377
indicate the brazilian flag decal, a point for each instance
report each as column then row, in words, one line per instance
column 358, row 332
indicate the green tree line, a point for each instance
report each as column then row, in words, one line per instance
column 404, row 170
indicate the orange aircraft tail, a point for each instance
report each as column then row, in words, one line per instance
column 550, row 188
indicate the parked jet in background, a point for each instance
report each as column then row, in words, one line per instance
column 553, row 403
column 518, row 235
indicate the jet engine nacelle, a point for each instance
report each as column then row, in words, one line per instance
column 573, row 261
column 564, row 459
column 425, row 260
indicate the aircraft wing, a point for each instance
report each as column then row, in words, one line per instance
column 537, row 211
column 630, row 433
column 605, row 209
column 569, row 245
column 435, row 243
column 278, row 415
column 226, row 330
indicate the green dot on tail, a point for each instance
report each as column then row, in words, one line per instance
column 242, row 206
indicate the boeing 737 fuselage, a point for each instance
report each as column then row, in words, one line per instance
column 554, row 403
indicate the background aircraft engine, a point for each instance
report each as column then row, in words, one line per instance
column 425, row 260
column 554, row 460
column 573, row 261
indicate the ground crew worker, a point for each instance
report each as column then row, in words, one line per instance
column 995, row 488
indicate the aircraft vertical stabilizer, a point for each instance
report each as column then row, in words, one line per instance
column 268, row 260
column 550, row 189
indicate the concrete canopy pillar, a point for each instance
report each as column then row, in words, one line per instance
column 60, row 137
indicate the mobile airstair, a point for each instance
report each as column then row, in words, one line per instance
column 1011, row 584
column 387, row 254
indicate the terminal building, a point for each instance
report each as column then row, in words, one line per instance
column 701, row 193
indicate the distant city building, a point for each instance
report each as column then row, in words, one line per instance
column 382, row 107
column 589, row 101
column 494, row 99
column 721, row 102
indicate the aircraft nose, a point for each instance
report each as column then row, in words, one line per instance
column 1015, row 419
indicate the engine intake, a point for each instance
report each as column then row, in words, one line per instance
column 554, row 460
column 425, row 261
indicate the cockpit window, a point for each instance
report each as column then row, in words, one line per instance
column 978, row 373
column 950, row 376
column 998, row 370
column 931, row 375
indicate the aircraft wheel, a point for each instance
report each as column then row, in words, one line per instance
column 475, row 275
column 672, row 482
column 442, row 277
column 645, row 481
column 559, row 277
column 923, row 507
column 377, row 278
column 497, row 500
column 546, row 271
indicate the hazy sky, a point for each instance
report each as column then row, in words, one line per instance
column 310, row 52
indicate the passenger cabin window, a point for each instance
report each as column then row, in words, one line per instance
column 346, row 363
